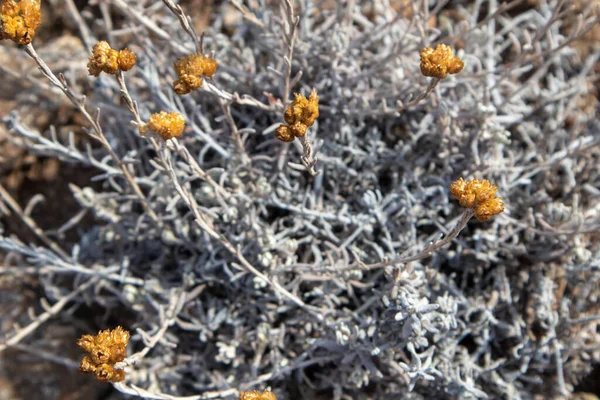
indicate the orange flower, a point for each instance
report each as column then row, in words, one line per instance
column 104, row 373
column 480, row 196
column 127, row 59
column 256, row 395
column 298, row 129
column 488, row 209
column 20, row 20
column 167, row 125
column 299, row 115
column 106, row 59
column 103, row 351
column 284, row 134
column 439, row 62
column 190, row 70
column 303, row 110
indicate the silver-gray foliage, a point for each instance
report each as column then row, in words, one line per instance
column 255, row 271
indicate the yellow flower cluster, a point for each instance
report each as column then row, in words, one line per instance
column 190, row 70
column 103, row 351
column 301, row 114
column 439, row 62
column 167, row 125
column 20, row 20
column 105, row 59
column 479, row 196
column 256, row 395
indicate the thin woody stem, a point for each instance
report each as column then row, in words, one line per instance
column 237, row 139
column 290, row 38
column 423, row 95
column 428, row 251
column 97, row 129
column 403, row 259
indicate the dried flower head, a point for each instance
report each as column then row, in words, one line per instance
column 439, row 62
column 299, row 115
column 298, row 129
column 210, row 67
column 103, row 58
column 479, row 196
column 190, row 70
column 108, row 373
column 256, row 395
column 103, row 372
column 488, row 209
column 18, row 21
column 127, row 59
column 284, row 134
column 302, row 109
column 87, row 365
column 167, row 125
column 104, row 350
column 106, row 59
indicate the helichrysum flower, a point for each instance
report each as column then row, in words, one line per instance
column 127, row 59
column 108, row 60
column 299, row 115
column 103, row 351
column 439, row 62
column 298, row 129
column 284, row 134
column 190, row 70
column 480, row 196
column 107, row 373
column 167, row 125
column 303, row 110
column 18, row 21
column 256, row 395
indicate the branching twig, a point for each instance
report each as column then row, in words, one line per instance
column 97, row 134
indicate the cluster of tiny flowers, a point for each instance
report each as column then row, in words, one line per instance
column 167, row 124
column 256, row 395
column 190, row 70
column 20, row 20
column 301, row 114
column 480, row 196
column 439, row 62
column 103, row 351
column 105, row 59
